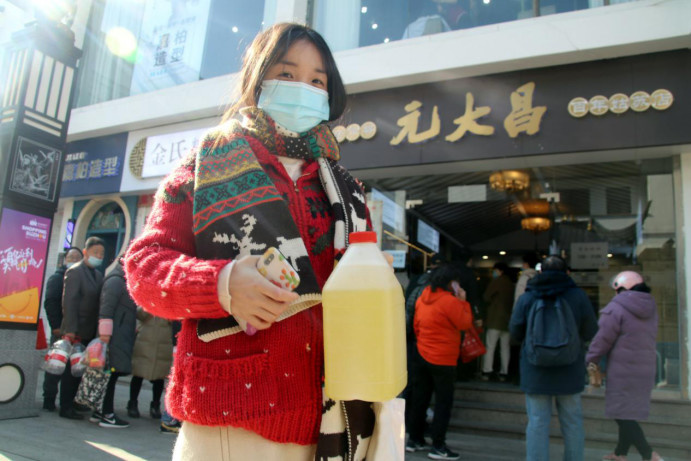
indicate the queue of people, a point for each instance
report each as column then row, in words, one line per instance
column 554, row 322
column 259, row 390
column 81, row 304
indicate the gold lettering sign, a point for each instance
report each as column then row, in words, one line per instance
column 368, row 130
column 618, row 103
column 353, row 132
column 599, row 105
column 640, row 101
column 578, row 107
column 409, row 125
column 467, row 122
column 661, row 99
column 339, row 133
column 524, row 117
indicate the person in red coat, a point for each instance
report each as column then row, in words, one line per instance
column 247, row 375
column 441, row 313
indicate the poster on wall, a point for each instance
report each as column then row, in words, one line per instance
column 35, row 170
column 23, row 247
column 171, row 44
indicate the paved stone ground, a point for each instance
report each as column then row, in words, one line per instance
column 49, row 437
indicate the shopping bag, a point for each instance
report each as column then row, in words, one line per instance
column 471, row 347
column 95, row 355
column 594, row 375
column 388, row 438
column 92, row 388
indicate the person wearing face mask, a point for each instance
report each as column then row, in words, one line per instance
column 80, row 305
column 499, row 299
column 268, row 175
column 52, row 304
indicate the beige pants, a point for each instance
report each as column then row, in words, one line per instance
column 227, row 443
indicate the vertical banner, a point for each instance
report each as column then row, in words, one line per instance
column 171, row 44
column 23, row 247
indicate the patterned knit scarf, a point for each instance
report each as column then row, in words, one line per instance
column 238, row 211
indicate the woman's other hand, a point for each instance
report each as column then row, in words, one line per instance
column 253, row 298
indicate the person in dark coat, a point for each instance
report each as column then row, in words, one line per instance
column 80, row 304
column 627, row 336
column 117, row 326
column 564, row 383
column 468, row 281
column 52, row 304
column 499, row 299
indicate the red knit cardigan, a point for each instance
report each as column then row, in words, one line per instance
column 269, row 383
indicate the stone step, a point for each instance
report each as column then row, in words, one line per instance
column 594, row 422
column 509, row 428
column 663, row 405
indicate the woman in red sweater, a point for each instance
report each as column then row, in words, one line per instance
column 248, row 368
column 441, row 313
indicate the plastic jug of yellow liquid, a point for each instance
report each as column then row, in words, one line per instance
column 364, row 325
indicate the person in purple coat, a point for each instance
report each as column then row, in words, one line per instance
column 626, row 336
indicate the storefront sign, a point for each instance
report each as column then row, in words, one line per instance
column 428, row 236
column 393, row 213
column 165, row 151
column 398, row 258
column 171, row 44
column 523, row 118
column 23, row 247
column 529, row 112
column 589, row 255
column 618, row 103
column 94, row 166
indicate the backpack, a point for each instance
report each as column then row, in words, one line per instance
column 415, row 293
column 552, row 338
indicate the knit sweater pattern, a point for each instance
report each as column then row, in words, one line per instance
column 268, row 383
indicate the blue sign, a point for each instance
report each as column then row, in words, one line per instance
column 94, row 166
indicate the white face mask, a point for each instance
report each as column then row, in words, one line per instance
column 295, row 106
column 68, row 265
column 94, row 262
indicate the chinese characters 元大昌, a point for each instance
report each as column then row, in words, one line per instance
column 523, row 118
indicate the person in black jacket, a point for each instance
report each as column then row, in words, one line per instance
column 80, row 303
column 52, row 304
column 117, row 327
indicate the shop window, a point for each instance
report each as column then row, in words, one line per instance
column 134, row 47
column 347, row 24
column 604, row 218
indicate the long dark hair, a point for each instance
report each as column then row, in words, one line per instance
column 442, row 276
column 267, row 49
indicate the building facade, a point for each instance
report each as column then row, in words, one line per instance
column 504, row 127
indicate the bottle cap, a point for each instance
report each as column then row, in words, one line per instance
column 363, row 237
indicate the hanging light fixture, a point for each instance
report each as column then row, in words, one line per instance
column 536, row 224
column 534, row 207
column 509, row 180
